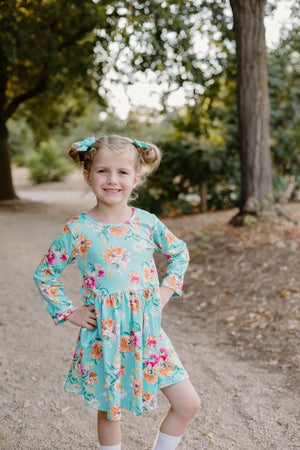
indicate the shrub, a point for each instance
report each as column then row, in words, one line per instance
column 47, row 164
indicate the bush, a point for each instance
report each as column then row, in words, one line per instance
column 186, row 164
column 47, row 164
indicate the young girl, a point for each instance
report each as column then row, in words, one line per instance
column 122, row 355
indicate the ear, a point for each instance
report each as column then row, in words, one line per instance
column 86, row 176
column 136, row 180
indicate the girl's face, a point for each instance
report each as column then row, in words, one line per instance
column 112, row 177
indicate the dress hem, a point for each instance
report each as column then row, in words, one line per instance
column 133, row 411
column 173, row 382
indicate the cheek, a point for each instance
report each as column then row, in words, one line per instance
column 97, row 177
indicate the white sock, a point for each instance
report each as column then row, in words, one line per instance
column 166, row 442
column 110, row 447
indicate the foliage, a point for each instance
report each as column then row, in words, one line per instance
column 177, row 183
column 21, row 141
column 141, row 124
column 60, row 117
column 56, row 55
column 55, row 48
column 205, row 146
column 47, row 164
column 62, row 48
column 46, row 47
column 54, row 51
column 202, row 148
column 284, row 72
column 155, row 36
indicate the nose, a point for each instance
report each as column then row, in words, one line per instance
column 112, row 178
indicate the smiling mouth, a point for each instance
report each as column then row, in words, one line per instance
column 112, row 190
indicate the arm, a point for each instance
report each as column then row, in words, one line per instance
column 178, row 258
column 61, row 253
column 165, row 295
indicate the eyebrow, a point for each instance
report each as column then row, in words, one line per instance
column 99, row 166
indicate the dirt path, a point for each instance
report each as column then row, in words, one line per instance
column 244, row 406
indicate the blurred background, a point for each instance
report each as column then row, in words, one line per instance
column 164, row 72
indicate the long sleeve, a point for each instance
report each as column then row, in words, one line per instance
column 177, row 253
column 61, row 253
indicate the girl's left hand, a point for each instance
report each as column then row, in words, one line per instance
column 165, row 295
column 84, row 317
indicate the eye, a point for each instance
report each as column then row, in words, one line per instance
column 102, row 170
column 123, row 172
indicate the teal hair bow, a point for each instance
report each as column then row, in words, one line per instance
column 83, row 146
column 139, row 144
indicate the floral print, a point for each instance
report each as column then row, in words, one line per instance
column 127, row 357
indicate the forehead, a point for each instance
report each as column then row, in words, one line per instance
column 123, row 157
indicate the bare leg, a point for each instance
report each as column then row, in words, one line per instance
column 109, row 432
column 184, row 404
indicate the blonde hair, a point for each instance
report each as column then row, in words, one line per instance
column 143, row 158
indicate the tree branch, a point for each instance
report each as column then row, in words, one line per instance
column 40, row 87
column 75, row 37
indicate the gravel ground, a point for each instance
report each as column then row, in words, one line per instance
column 247, row 404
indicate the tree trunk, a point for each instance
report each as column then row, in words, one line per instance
column 253, row 106
column 7, row 191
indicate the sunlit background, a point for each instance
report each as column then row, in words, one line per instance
column 147, row 93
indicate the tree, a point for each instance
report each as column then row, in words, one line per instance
column 253, row 107
column 52, row 47
column 252, row 94
column 49, row 48
column 252, row 85
column 45, row 48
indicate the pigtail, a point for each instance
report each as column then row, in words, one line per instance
column 148, row 159
column 78, row 157
column 150, row 156
column 83, row 152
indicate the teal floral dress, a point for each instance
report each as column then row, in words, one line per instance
column 127, row 357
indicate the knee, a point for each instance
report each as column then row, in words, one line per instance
column 195, row 405
column 189, row 408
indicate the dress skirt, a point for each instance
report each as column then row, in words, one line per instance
column 125, row 360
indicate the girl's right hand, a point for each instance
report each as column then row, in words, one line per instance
column 84, row 317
